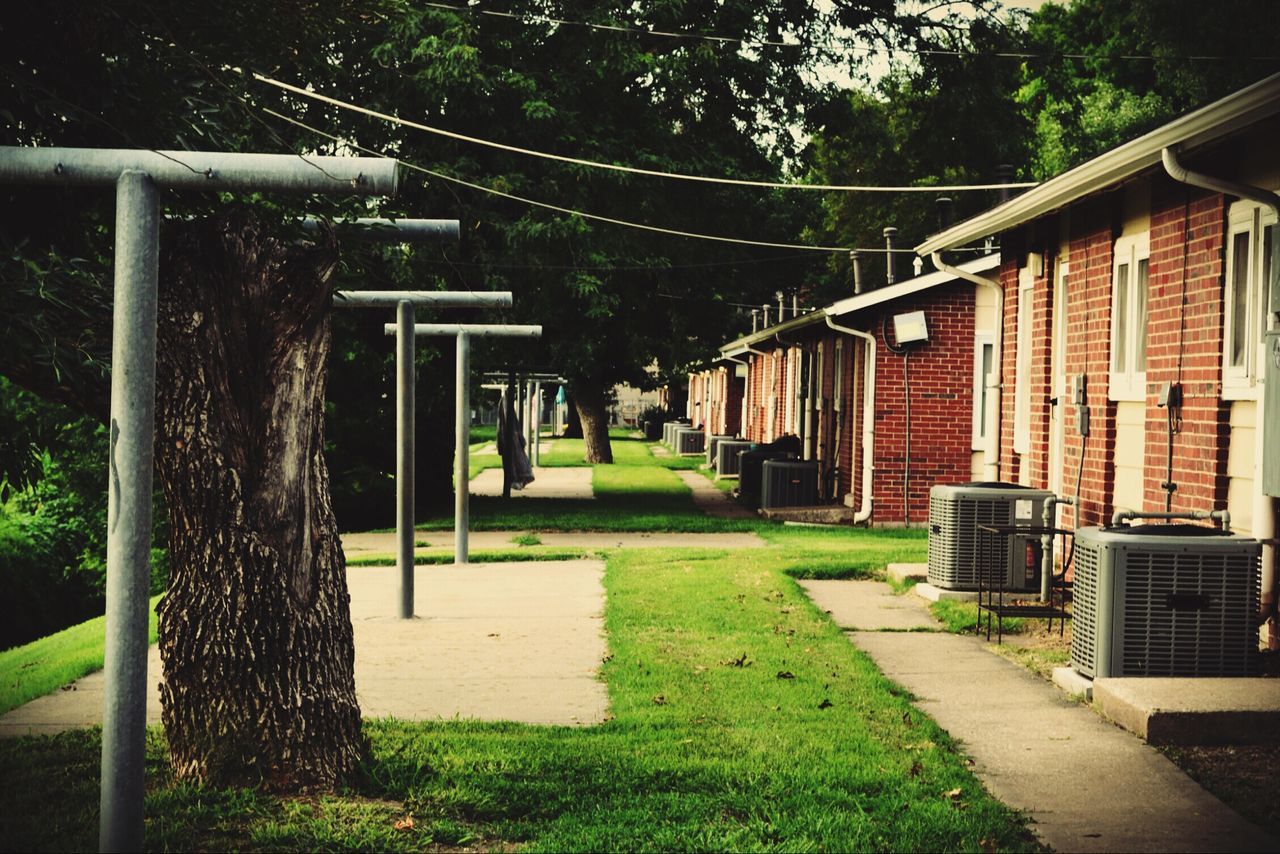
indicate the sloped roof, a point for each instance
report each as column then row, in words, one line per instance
column 1206, row 125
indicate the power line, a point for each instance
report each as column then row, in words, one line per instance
column 865, row 49
column 655, row 268
column 614, row 167
column 570, row 211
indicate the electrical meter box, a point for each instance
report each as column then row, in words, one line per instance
column 1271, row 421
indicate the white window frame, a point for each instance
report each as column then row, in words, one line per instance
column 982, row 341
column 1025, row 322
column 1126, row 381
column 1240, row 382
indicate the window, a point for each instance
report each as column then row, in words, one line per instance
column 983, row 353
column 1129, row 319
column 1022, row 376
column 1250, row 231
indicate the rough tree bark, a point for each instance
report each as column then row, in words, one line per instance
column 589, row 400
column 573, row 424
column 255, row 630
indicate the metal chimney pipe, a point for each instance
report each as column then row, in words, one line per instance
column 755, row 320
column 1004, row 174
column 889, row 233
column 795, row 305
column 944, row 212
column 917, row 265
column 855, row 258
column 765, row 309
column 782, row 305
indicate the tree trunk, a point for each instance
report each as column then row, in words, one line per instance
column 590, row 403
column 573, row 424
column 255, row 631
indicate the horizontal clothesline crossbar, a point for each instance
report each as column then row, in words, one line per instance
column 475, row 330
column 393, row 230
column 200, row 170
column 446, row 299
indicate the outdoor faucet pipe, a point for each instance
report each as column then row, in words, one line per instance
column 1046, row 544
column 1121, row 516
column 1264, row 506
column 995, row 379
column 868, row 418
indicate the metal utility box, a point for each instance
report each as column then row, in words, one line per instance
column 690, row 440
column 727, row 456
column 751, row 468
column 1271, row 421
column 1164, row 600
column 789, row 483
column 956, row 511
column 669, row 429
column 712, row 443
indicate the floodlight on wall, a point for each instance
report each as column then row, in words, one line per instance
column 910, row 328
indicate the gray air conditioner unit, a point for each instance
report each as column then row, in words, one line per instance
column 1164, row 600
column 728, row 461
column 789, row 483
column 690, row 440
column 955, row 512
column 712, row 443
column 669, row 429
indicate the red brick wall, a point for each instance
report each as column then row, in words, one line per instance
column 1185, row 317
column 941, row 379
column 1187, row 251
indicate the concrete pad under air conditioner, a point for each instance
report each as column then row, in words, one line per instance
column 1186, row 710
column 930, row 593
column 902, row 572
column 1073, row 682
column 823, row 514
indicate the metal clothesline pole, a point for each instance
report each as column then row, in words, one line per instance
column 464, row 332
column 405, row 303
column 137, row 177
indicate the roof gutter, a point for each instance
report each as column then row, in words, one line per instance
column 994, row 379
column 868, row 418
column 1264, row 506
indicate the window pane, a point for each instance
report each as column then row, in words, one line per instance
column 1239, row 298
column 1120, row 345
column 1140, row 317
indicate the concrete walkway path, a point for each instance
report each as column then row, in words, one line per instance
column 556, row 482
column 495, row 642
column 1086, row 784
column 708, row 498
column 385, row 542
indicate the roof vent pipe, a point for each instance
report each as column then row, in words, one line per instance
column 782, row 305
column 944, row 212
column 889, row 233
column 855, row 258
column 755, row 320
column 917, row 265
column 795, row 305
column 1004, row 175
column 765, row 309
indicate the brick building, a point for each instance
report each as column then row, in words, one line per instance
column 1128, row 279
column 839, row 379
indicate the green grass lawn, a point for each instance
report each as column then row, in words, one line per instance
column 37, row 668
column 742, row 719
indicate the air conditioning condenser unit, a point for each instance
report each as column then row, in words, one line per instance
column 789, row 483
column 961, row 556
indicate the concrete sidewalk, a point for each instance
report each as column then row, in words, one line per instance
column 1085, row 784
column 708, row 497
column 385, row 541
column 554, row 482
column 495, row 642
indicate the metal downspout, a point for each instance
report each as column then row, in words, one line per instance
column 1264, row 506
column 868, row 418
column 995, row 379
